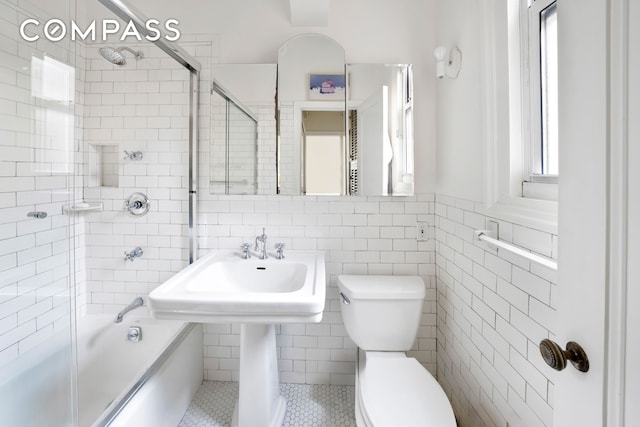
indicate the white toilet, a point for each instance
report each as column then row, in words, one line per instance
column 381, row 315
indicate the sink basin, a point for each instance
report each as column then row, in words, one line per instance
column 260, row 277
column 223, row 287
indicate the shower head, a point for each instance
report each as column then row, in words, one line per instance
column 116, row 57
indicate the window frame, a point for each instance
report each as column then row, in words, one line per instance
column 509, row 193
column 533, row 107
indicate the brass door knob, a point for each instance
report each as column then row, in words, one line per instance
column 556, row 357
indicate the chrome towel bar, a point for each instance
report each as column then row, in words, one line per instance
column 547, row 262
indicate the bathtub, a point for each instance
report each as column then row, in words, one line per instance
column 145, row 383
column 120, row 383
column 35, row 389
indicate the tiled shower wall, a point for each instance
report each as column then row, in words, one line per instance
column 36, row 174
column 493, row 310
column 234, row 168
column 359, row 235
column 213, row 154
column 142, row 106
column 289, row 181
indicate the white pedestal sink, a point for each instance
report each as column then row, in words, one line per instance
column 221, row 287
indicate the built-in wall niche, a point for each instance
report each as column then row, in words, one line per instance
column 104, row 165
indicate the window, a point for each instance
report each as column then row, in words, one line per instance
column 543, row 89
column 52, row 97
column 520, row 48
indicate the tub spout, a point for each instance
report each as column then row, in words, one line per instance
column 134, row 304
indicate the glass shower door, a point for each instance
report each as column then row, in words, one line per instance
column 37, row 139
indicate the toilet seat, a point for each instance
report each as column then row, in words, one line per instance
column 398, row 391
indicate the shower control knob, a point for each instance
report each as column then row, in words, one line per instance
column 137, row 204
column 556, row 357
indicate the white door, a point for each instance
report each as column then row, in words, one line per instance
column 599, row 208
column 324, row 164
column 631, row 403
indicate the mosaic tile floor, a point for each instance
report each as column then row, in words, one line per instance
column 307, row 405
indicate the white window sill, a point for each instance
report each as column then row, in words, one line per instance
column 533, row 213
column 540, row 190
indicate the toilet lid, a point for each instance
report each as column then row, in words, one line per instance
column 400, row 392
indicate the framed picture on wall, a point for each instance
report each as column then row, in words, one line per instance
column 326, row 87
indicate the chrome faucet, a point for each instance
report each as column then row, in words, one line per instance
column 245, row 251
column 279, row 250
column 262, row 254
column 134, row 304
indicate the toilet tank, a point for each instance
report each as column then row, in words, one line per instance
column 381, row 313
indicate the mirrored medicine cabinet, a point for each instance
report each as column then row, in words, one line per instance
column 322, row 127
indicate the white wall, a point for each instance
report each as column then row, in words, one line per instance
column 459, row 107
column 359, row 235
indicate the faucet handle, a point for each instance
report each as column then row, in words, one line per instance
column 129, row 256
column 245, row 251
column 279, row 250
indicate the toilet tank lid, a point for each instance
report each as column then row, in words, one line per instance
column 381, row 287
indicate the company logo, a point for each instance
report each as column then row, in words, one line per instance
column 55, row 30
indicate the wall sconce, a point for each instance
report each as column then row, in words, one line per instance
column 448, row 62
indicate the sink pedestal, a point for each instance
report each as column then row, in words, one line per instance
column 259, row 403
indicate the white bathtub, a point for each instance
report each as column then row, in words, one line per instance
column 35, row 389
column 120, row 383
column 145, row 383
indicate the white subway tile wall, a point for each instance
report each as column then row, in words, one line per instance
column 359, row 235
column 289, row 182
column 242, row 134
column 493, row 310
column 40, row 123
column 142, row 106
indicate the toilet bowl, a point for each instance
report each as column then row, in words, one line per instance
column 381, row 315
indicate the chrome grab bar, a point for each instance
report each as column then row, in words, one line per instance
column 547, row 262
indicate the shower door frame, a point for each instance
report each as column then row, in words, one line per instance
column 175, row 51
column 229, row 99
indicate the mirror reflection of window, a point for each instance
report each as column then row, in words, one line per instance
column 323, row 152
column 381, row 129
column 406, row 78
column 52, row 95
